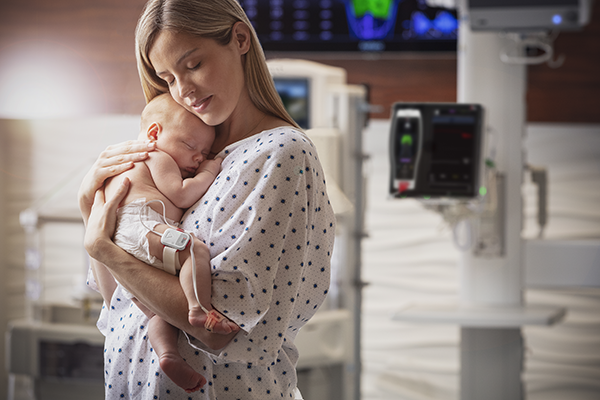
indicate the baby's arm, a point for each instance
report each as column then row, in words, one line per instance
column 182, row 192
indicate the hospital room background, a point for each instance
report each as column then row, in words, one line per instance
column 410, row 315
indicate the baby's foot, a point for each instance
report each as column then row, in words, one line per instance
column 196, row 316
column 217, row 323
column 181, row 373
column 212, row 321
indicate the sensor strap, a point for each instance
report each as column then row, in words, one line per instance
column 171, row 260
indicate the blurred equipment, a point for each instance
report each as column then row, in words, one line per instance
column 333, row 114
column 435, row 149
column 496, row 263
column 528, row 15
column 63, row 360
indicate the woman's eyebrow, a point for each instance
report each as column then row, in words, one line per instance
column 180, row 60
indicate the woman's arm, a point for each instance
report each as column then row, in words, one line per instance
column 111, row 162
column 157, row 290
column 104, row 280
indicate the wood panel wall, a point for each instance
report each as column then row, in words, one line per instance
column 570, row 93
column 99, row 35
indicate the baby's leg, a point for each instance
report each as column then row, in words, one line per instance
column 213, row 320
column 202, row 257
column 163, row 337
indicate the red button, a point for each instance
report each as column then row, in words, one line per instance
column 402, row 186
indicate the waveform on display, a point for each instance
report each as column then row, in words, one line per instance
column 371, row 19
column 444, row 23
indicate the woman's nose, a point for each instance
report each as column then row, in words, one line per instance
column 185, row 88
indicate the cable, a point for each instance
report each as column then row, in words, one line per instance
column 191, row 241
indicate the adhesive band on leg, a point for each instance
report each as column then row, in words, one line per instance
column 171, row 260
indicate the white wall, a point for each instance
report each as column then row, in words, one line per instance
column 409, row 258
column 563, row 362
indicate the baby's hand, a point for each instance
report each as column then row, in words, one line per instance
column 212, row 167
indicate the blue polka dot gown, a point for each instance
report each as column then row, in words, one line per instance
column 270, row 229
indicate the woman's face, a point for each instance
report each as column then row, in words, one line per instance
column 203, row 76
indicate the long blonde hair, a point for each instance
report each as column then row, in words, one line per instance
column 210, row 19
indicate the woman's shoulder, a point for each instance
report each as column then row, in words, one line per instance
column 289, row 133
column 285, row 141
column 275, row 140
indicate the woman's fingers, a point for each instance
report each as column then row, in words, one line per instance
column 99, row 199
column 127, row 151
column 102, row 220
column 113, row 161
column 107, row 160
column 114, row 202
column 119, row 158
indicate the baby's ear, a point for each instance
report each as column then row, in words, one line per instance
column 153, row 130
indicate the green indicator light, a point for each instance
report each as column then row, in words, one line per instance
column 377, row 8
column 482, row 191
column 406, row 139
column 426, row 197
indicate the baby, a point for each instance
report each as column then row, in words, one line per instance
column 178, row 173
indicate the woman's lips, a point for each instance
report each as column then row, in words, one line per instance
column 202, row 104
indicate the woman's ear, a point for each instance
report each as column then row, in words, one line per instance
column 153, row 131
column 241, row 35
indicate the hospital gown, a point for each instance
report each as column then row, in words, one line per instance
column 270, row 229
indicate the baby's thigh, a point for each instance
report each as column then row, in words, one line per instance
column 155, row 247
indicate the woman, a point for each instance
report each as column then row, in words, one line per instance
column 266, row 220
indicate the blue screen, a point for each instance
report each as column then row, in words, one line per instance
column 352, row 25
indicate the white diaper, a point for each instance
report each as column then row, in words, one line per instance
column 130, row 234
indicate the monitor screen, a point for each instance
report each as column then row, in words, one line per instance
column 294, row 93
column 352, row 25
column 435, row 150
column 453, row 150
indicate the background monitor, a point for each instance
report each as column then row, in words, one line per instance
column 435, row 150
column 352, row 25
column 295, row 94
column 306, row 88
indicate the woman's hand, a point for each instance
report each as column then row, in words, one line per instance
column 111, row 162
column 102, row 221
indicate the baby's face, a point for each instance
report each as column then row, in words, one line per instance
column 187, row 140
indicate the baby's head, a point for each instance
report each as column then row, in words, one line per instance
column 177, row 132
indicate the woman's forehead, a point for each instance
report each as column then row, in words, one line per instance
column 173, row 47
